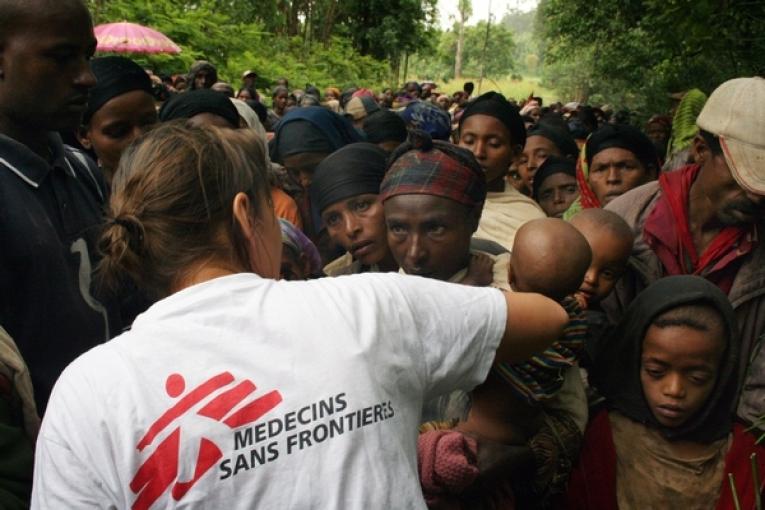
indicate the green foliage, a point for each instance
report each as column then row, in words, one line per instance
column 499, row 56
column 388, row 28
column 633, row 52
column 322, row 42
column 527, row 51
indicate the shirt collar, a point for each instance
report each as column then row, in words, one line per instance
column 28, row 166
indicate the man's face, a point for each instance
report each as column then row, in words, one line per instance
column 428, row 235
column 45, row 68
column 736, row 206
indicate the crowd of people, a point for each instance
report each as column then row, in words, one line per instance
column 223, row 295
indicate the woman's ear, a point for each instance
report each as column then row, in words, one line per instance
column 242, row 210
column 84, row 138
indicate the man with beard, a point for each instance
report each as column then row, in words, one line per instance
column 706, row 219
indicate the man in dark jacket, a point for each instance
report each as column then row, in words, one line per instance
column 51, row 198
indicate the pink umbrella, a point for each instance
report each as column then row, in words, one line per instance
column 127, row 37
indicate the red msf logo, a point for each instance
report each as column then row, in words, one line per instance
column 160, row 470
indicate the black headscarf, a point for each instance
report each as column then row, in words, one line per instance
column 495, row 105
column 616, row 371
column 562, row 140
column 194, row 102
column 311, row 129
column 552, row 165
column 385, row 126
column 114, row 76
column 356, row 169
column 626, row 137
column 202, row 65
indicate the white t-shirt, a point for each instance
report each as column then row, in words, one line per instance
column 243, row 392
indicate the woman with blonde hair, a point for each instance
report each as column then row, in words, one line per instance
column 236, row 390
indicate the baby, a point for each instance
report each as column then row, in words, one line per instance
column 549, row 257
column 543, row 397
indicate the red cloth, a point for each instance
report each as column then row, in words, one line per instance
column 668, row 234
column 593, row 481
column 447, row 463
column 587, row 197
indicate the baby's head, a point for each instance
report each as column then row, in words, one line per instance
column 610, row 239
column 549, row 257
column 680, row 361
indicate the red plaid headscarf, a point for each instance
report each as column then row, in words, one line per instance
column 435, row 168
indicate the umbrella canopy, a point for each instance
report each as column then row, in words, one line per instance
column 127, row 37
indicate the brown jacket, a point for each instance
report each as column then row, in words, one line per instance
column 747, row 294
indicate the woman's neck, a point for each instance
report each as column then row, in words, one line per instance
column 202, row 273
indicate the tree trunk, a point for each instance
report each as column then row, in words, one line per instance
column 293, row 22
column 466, row 10
column 458, row 56
column 395, row 66
column 329, row 22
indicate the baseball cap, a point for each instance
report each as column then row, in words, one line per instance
column 247, row 73
column 735, row 112
column 359, row 107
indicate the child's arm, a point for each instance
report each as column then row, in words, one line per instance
column 480, row 271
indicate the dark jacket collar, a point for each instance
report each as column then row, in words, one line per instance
column 28, row 166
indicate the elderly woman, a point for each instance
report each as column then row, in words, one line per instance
column 213, row 399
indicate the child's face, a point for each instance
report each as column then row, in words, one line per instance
column 678, row 370
column 609, row 260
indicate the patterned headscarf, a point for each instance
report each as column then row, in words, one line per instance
column 297, row 240
column 429, row 118
column 426, row 167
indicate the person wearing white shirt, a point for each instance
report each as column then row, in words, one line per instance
column 235, row 390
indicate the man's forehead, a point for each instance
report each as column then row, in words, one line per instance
column 64, row 19
column 426, row 206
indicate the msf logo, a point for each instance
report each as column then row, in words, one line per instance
column 222, row 394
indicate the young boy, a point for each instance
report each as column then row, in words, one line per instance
column 610, row 239
column 666, row 437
